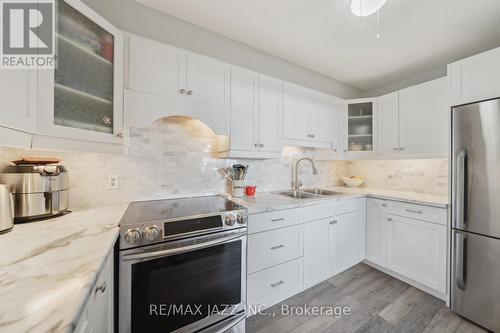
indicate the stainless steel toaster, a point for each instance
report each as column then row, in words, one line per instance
column 39, row 191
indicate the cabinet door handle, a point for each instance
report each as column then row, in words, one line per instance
column 333, row 222
column 414, row 211
column 101, row 288
column 277, row 247
column 312, row 135
column 402, row 148
column 261, row 145
column 384, row 205
column 277, row 220
column 394, row 148
column 120, row 135
column 106, row 120
column 279, row 283
column 389, row 219
column 256, row 145
column 345, row 150
column 335, row 150
column 182, row 91
column 190, row 92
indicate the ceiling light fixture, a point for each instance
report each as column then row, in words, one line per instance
column 364, row 8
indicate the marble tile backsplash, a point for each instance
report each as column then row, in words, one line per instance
column 177, row 156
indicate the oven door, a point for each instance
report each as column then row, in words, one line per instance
column 185, row 285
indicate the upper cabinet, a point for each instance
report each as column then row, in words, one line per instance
column 18, row 99
column 167, row 81
column 388, row 124
column 424, row 114
column 256, row 104
column 360, row 127
column 476, row 78
column 82, row 98
column 307, row 117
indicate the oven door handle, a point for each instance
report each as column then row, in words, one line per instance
column 188, row 248
column 225, row 326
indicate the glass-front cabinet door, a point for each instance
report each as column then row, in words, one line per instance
column 360, row 127
column 82, row 97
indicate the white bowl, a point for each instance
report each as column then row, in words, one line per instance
column 353, row 182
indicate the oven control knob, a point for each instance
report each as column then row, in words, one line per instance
column 132, row 236
column 241, row 218
column 229, row 219
column 152, row 233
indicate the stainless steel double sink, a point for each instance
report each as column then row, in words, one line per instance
column 310, row 193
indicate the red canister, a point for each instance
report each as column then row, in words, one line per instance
column 250, row 190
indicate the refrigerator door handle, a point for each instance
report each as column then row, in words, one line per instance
column 460, row 260
column 460, row 181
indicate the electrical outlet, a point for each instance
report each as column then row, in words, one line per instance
column 113, row 182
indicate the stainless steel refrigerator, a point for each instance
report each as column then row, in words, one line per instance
column 475, row 183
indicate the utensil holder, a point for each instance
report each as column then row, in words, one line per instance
column 238, row 188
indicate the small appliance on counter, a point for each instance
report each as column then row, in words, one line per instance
column 236, row 174
column 39, row 189
column 6, row 209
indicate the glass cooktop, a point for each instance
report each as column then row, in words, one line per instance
column 147, row 211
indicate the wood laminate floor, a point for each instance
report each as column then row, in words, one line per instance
column 377, row 303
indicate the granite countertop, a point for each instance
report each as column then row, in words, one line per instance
column 270, row 201
column 47, row 268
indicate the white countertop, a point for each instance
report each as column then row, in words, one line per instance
column 47, row 268
column 270, row 201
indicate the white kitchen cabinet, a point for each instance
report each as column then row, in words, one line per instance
column 388, row 124
column 256, row 103
column 82, row 98
column 376, row 231
column 270, row 108
column 156, row 68
column 307, row 117
column 167, row 81
column 18, row 99
column 207, row 80
column 476, row 78
column 360, row 128
column 244, row 133
column 423, row 118
column 316, row 254
column 98, row 313
column 417, row 249
column 345, row 237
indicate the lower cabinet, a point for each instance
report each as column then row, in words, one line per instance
column 345, row 242
column 316, row 252
column 273, row 285
column 417, row 250
column 375, row 231
column 98, row 314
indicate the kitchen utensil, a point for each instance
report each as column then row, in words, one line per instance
column 250, row 190
column 353, row 181
column 6, row 209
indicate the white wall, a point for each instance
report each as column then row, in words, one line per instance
column 417, row 78
column 133, row 17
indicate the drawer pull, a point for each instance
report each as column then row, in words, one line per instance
column 277, row 247
column 333, row 222
column 414, row 211
column 279, row 283
column 101, row 288
column 277, row 220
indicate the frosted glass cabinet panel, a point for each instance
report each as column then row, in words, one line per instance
column 360, row 126
column 86, row 87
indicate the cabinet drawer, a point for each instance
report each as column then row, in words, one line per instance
column 275, row 284
column 420, row 212
column 274, row 220
column 274, row 247
column 334, row 208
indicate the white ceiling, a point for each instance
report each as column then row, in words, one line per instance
column 324, row 36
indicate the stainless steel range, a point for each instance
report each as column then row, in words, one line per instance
column 183, row 266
